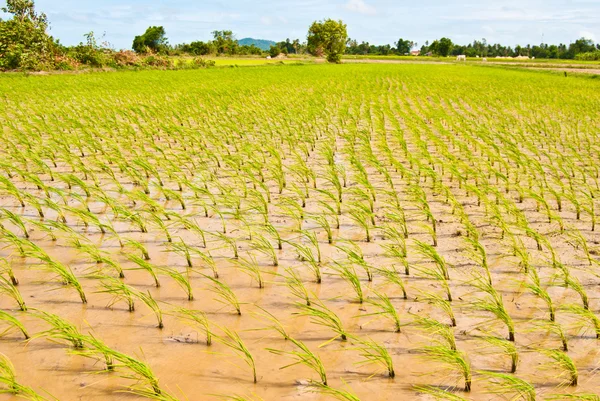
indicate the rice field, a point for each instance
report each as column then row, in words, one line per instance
column 314, row 232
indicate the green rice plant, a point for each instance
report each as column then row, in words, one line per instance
column 146, row 266
column 139, row 371
column 539, row 291
column 392, row 276
column 13, row 323
column 232, row 340
column 576, row 285
column 322, row 222
column 493, row 304
column 97, row 350
column 275, row 324
column 261, row 244
column 224, row 293
column 507, row 347
column 251, row 267
column 434, row 329
column 385, row 309
column 507, row 384
column 303, row 356
column 438, row 393
column 67, row 276
column 553, row 328
column 563, row 362
column 313, row 240
column 60, row 329
column 348, row 274
column 9, row 384
column 374, row 353
column 363, row 217
column 6, row 267
column 154, row 218
column 323, row 316
column 290, row 208
column 332, row 211
column 19, row 243
column 397, row 249
column 453, row 359
column 585, row 317
column 195, row 319
column 119, row 292
column 339, row 394
column 272, row 230
column 305, row 254
column 441, row 303
column 152, row 304
column 133, row 244
column 230, row 241
column 435, row 274
column 7, row 287
column 296, row 286
column 355, row 255
column 15, row 219
column 429, row 252
column 182, row 279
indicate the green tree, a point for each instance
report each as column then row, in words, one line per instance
column 225, row 43
column 153, row 39
column 404, row 46
column 444, row 47
column 328, row 37
column 24, row 42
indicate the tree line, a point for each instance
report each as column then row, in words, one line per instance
column 26, row 45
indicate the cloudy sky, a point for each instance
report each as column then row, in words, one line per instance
column 376, row 21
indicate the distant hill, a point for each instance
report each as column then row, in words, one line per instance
column 260, row 43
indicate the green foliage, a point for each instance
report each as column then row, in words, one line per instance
column 24, row 42
column 153, row 40
column 328, row 38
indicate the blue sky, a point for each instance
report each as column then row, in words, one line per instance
column 376, row 21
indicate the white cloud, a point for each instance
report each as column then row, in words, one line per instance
column 359, row 6
column 588, row 35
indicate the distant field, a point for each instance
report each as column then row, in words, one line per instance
column 318, row 232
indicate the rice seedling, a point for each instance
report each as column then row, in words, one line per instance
column 439, row 393
column 230, row 241
column 355, row 256
column 507, row 347
column 303, row 356
column 553, row 328
column 363, row 217
column 16, row 220
column 151, row 303
column 435, row 329
column 7, row 287
column 440, row 302
column 263, row 245
column 224, row 293
column 536, row 289
column 585, row 316
column 232, row 340
column 138, row 371
column 60, row 330
column 13, row 323
column 195, row 319
column 305, row 254
column 430, row 253
column 374, row 353
column 323, row 316
column 385, row 309
column 564, row 363
column 494, row 305
column 454, row 359
column 348, row 273
column 182, row 279
column 119, row 292
column 392, row 276
column 507, row 384
column 146, row 266
column 275, row 324
column 296, row 286
column 323, row 223
column 339, row 394
column 137, row 246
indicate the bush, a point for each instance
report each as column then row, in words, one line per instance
column 588, row 56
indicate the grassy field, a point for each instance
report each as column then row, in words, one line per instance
column 314, row 232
